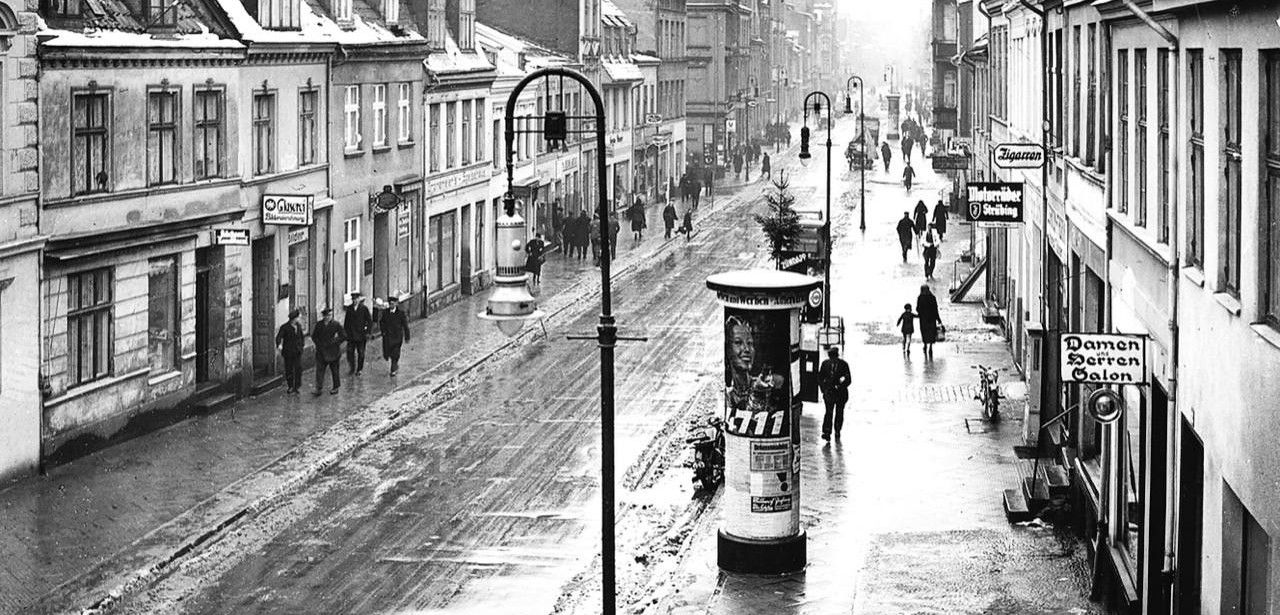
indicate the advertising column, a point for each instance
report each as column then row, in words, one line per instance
column 761, row 531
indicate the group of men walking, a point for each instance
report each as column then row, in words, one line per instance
column 327, row 336
column 919, row 230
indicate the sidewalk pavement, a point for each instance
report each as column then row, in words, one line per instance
column 71, row 526
column 903, row 511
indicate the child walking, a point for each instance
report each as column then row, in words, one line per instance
column 907, row 322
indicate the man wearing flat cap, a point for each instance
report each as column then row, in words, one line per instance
column 327, row 336
column 356, row 324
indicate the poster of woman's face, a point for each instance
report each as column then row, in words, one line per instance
column 757, row 372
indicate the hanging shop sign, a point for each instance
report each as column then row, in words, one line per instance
column 652, row 119
column 287, row 209
column 730, row 124
column 298, row 235
column 994, row 205
column 1103, row 358
column 949, row 162
column 385, row 201
column 230, row 236
column 1019, row 156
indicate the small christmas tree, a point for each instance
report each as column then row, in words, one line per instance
column 781, row 225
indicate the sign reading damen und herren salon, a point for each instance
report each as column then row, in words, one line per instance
column 994, row 205
column 1103, row 358
column 287, row 209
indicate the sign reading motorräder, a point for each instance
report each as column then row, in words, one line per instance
column 994, row 204
column 1103, row 358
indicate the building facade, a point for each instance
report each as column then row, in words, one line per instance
column 21, row 242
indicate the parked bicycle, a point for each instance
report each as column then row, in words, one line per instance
column 706, row 437
column 989, row 392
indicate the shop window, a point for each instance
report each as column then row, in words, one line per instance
column 442, row 245
column 89, row 326
column 163, row 303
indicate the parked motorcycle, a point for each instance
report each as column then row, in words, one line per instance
column 989, row 392
column 706, row 438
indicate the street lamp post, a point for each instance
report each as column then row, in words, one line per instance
column 862, row 135
column 510, row 309
column 826, row 228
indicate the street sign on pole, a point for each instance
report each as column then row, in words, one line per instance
column 1019, row 156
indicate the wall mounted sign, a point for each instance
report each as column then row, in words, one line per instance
column 287, row 209
column 1019, row 156
column 1103, row 358
column 230, row 236
column 994, row 205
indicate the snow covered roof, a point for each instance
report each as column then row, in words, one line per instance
column 621, row 72
column 509, row 48
column 454, row 59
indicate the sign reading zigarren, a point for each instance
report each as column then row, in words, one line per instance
column 1019, row 156
column 1102, row 358
column 994, row 204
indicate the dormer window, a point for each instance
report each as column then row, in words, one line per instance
column 61, row 8
column 437, row 23
column 342, row 10
column 391, row 10
column 162, row 14
column 461, row 17
column 280, row 14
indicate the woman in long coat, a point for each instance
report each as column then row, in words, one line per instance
column 940, row 219
column 921, row 218
column 927, row 314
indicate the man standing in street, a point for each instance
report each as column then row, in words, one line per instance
column 614, row 228
column 765, row 169
column 395, row 332
column 834, row 379
column 908, row 174
column 906, row 231
column 669, row 217
column 356, row 324
column 327, row 336
column 290, row 339
column 885, row 154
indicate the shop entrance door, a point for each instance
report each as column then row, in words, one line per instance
column 381, row 255
column 264, row 302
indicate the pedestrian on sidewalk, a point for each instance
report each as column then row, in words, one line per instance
column 833, row 379
column 908, row 174
column 930, row 252
column 906, row 230
column 907, row 142
column 395, row 332
column 534, row 257
column 581, row 234
column 695, row 190
column 327, row 336
column 927, row 314
column 921, row 213
column 765, row 168
column 684, row 189
column 687, row 226
column 885, row 154
column 356, row 323
column 614, row 228
column 709, row 177
column 671, row 188
column 669, row 217
column 637, row 217
column 906, row 323
column 737, row 164
column 940, row 220
column 557, row 227
column 593, row 232
column 290, row 338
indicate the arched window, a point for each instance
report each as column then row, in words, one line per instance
column 8, row 27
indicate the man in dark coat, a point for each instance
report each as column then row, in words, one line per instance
column 907, row 142
column 833, row 380
column 395, row 332
column 695, row 190
column 885, row 154
column 356, row 323
column 684, row 188
column 534, row 250
column 765, row 167
column 669, row 217
column 614, row 228
column 906, row 231
column 327, row 336
column 908, row 174
column 921, row 213
column 290, row 339
column 737, row 165
column 636, row 215
column 581, row 234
